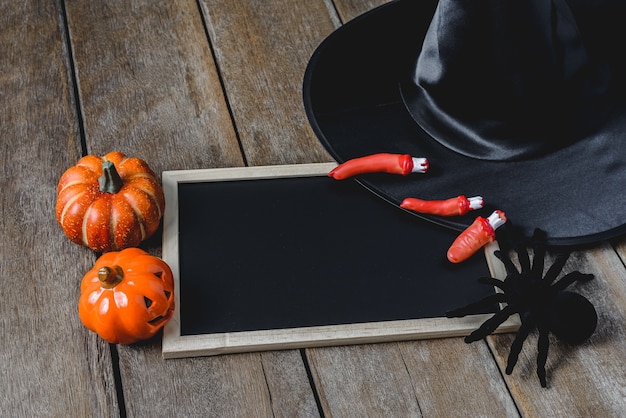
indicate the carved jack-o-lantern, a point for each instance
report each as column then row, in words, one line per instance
column 127, row 296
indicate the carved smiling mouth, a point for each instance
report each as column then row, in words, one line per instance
column 158, row 320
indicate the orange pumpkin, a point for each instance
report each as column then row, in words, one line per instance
column 127, row 296
column 109, row 203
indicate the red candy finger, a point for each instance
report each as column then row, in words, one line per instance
column 455, row 206
column 402, row 164
column 478, row 234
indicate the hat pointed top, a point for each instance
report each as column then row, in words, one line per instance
column 506, row 80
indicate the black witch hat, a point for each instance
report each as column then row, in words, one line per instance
column 520, row 102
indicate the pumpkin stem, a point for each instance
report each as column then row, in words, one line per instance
column 110, row 277
column 110, row 180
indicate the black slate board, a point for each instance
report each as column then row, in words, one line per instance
column 297, row 252
column 286, row 257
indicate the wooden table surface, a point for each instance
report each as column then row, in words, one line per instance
column 217, row 83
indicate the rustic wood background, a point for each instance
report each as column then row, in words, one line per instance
column 202, row 84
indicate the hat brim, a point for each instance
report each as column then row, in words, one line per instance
column 353, row 101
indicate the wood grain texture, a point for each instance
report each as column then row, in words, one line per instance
column 272, row 384
column 262, row 48
column 227, row 386
column 349, row 9
column 583, row 380
column 50, row 363
column 454, row 379
column 153, row 90
column 148, row 84
column 288, row 384
column 444, row 377
column 363, row 381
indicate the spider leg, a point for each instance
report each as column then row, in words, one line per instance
column 539, row 252
column 491, row 324
column 495, row 283
column 508, row 264
column 527, row 326
column 570, row 278
column 542, row 354
column 522, row 257
column 555, row 268
column 477, row 306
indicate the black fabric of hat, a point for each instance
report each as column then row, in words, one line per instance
column 519, row 102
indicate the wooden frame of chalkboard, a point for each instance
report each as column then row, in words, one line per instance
column 282, row 257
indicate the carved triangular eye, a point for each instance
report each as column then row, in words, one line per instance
column 148, row 301
column 159, row 274
column 167, row 294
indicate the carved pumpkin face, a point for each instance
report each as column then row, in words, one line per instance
column 127, row 296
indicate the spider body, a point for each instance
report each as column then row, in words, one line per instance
column 540, row 301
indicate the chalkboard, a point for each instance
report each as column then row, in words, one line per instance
column 283, row 257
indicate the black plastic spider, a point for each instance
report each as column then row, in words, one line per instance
column 539, row 301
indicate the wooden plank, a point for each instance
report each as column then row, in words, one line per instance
column 444, row 377
column 238, row 385
column 455, row 379
column 148, row 85
column 363, row 381
column 584, row 380
column 288, row 384
column 218, row 387
column 152, row 90
column 50, row 363
column 430, row 378
column 262, row 48
column 349, row 9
